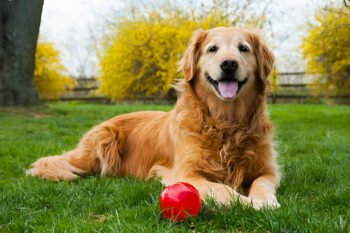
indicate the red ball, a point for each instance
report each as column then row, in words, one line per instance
column 180, row 200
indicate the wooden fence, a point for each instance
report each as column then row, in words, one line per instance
column 292, row 88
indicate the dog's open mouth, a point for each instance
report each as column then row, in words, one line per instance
column 227, row 88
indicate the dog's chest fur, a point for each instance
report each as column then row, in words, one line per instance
column 230, row 151
column 227, row 152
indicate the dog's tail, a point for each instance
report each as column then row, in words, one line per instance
column 100, row 150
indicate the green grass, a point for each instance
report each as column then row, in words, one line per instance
column 314, row 148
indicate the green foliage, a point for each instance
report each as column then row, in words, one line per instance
column 314, row 191
column 327, row 50
column 49, row 75
column 141, row 58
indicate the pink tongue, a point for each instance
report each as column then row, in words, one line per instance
column 228, row 89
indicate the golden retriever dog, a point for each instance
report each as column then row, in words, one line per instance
column 217, row 138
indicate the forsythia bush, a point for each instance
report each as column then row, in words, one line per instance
column 327, row 51
column 49, row 77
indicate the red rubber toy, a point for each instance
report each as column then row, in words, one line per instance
column 179, row 200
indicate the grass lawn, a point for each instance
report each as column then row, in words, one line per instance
column 314, row 148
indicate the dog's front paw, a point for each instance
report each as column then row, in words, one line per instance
column 270, row 203
column 273, row 203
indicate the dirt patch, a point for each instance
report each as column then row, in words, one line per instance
column 99, row 218
column 34, row 112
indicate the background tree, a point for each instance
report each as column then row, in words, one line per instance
column 141, row 57
column 327, row 51
column 49, row 76
column 19, row 27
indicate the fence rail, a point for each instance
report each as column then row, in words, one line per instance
column 292, row 87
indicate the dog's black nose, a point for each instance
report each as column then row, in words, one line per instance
column 229, row 66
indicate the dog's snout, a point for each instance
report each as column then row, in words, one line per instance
column 229, row 66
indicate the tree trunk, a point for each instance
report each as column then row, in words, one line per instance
column 19, row 28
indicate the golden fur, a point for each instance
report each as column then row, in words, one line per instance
column 223, row 147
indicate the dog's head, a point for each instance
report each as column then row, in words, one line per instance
column 227, row 62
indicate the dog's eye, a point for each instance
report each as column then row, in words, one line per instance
column 213, row 48
column 243, row 48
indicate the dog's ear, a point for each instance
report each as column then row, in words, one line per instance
column 264, row 58
column 188, row 63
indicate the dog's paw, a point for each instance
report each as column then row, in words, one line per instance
column 271, row 203
column 54, row 168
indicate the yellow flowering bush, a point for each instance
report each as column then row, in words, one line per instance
column 49, row 74
column 327, row 51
